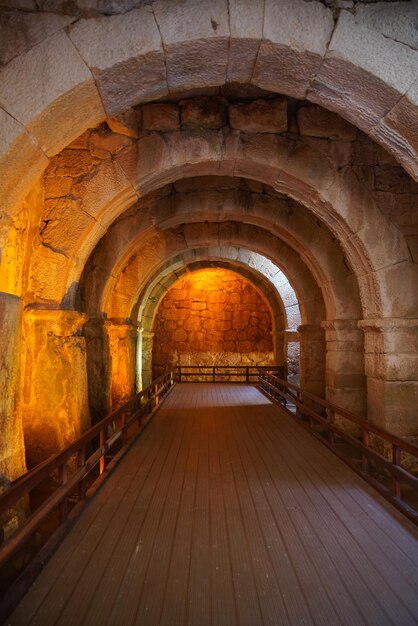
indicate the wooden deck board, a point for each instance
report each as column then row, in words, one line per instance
column 226, row 511
column 377, row 569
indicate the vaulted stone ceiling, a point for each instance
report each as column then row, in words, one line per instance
column 141, row 138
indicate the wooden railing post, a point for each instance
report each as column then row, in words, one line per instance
column 213, row 374
column 102, row 443
column 396, row 460
column 125, row 430
column 364, row 457
column 62, row 478
column 81, row 459
column 331, row 420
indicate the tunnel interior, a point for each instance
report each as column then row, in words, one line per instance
column 244, row 216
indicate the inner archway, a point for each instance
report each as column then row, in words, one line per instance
column 212, row 316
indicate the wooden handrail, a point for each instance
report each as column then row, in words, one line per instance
column 217, row 373
column 135, row 408
column 275, row 387
column 385, row 434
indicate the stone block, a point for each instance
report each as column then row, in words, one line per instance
column 21, row 165
column 160, row 117
column 318, row 122
column 392, row 405
column 192, row 323
column 201, row 113
column 394, row 20
column 195, row 35
column 260, row 116
column 144, row 162
column 360, row 76
column 126, row 123
column 12, row 448
column 132, row 69
column 246, row 25
column 295, row 38
column 19, row 31
column 194, row 154
column 104, row 145
column 63, row 104
column 54, row 412
column 398, row 131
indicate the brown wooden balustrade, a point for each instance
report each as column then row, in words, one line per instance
column 224, row 373
column 67, row 473
column 384, row 473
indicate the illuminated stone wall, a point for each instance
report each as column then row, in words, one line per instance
column 212, row 317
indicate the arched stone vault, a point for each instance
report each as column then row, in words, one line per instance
column 150, row 299
column 263, row 274
column 347, row 62
column 121, row 291
column 292, row 47
column 337, row 199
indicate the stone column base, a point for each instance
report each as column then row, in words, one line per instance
column 54, row 401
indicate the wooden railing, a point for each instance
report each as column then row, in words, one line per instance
column 68, row 471
column 377, row 455
column 224, row 373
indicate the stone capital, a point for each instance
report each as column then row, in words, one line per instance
column 340, row 325
column 121, row 328
column 390, row 335
column 291, row 335
column 60, row 322
column 343, row 334
column 389, row 324
column 310, row 332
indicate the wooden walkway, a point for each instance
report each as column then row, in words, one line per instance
column 227, row 512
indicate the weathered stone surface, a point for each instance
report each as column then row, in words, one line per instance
column 356, row 77
column 201, row 113
column 260, row 116
column 160, row 117
column 127, row 73
column 392, row 405
column 125, row 123
column 312, row 359
column 20, row 31
column 295, row 38
column 25, row 5
column 398, row 131
column 195, row 37
column 12, row 449
column 318, row 122
column 212, row 310
column 122, row 347
column 21, row 165
column 246, row 24
column 63, row 104
column 395, row 20
column 55, row 402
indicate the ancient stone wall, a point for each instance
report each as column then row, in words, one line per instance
column 212, row 317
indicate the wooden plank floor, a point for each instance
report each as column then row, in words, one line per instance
column 227, row 512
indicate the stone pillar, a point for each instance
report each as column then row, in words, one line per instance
column 12, row 449
column 96, row 332
column 344, row 370
column 122, row 347
column 138, row 369
column 312, row 359
column 147, row 343
column 54, row 401
column 292, row 354
column 279, row 347
column 391, row 364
